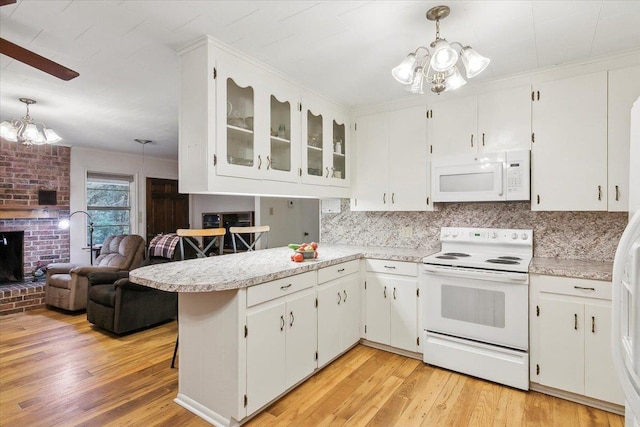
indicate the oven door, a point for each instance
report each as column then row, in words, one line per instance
column 489, row 311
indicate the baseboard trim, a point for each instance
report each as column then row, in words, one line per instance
column 578, row 398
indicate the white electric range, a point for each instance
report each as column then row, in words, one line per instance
column 476, row 312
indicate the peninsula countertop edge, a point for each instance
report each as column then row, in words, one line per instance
column 241, row 270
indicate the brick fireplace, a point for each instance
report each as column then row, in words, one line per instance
column 25, row 171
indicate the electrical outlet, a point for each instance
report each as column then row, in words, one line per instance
column 406, row 232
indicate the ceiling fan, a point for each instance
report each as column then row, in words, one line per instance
column 33, row 59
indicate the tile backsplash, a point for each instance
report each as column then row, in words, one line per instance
column 570, row 235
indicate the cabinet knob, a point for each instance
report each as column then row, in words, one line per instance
column 593, row 324
column 327, row 168
column 345, row 295
column 394, row 293
column 384, row 292
column 259, row 161
column 281, row 323
column 291, row 318
column 268, row 163
column 339, row 298
column 599, row 192
column 575, row 322
column 617, row 193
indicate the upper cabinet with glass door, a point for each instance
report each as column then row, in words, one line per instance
column 325, row 159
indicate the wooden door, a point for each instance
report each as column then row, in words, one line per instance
column 167, row 210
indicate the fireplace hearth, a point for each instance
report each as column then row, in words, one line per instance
column 11, row 256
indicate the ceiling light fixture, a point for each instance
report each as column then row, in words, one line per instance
column 438, row 65
column 27, row 131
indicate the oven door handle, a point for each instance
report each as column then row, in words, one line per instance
column 502, row 276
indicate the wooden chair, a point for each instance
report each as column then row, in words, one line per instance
column 200, row 253
column 201, row 232
column 257, row 231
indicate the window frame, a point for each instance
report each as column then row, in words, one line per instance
column 93, row 176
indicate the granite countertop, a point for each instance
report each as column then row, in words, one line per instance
column 241, row 270
column 597, row 270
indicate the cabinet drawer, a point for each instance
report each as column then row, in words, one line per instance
column 392, row 267
column 329, row 273
column 585, row 288
column 278, row 288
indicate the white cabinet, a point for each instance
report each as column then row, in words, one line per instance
column 453, row 126
column 623, row 90
column 338, row 310
column 392, row 161
column 392, row 304
column 238, row 119
column 499, row 120
column 281, row 337
column 326, row 144
column 568, row 171
column 571, row 337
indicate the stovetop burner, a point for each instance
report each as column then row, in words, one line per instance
column 456, row 254
column 502, row 260
column 514, row 258
column 445, row 256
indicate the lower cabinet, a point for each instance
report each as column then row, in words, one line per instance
column 571, row 337
column 391, row 289
column 338, row 310
column 281, row 337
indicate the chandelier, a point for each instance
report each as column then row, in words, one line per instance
column 27, row 131
column 438, row 66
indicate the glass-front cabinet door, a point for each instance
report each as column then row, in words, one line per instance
column 283, row 147
column 315, row 164
column 339, row 168
column 237, row 143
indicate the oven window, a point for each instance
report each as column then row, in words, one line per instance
column 479, row 306
column 467, row 182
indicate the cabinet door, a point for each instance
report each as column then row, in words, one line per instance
column 350, row 319
column 372, row 163
column 378, row 296
column 340, row 174
column 600, row 379
column 266, row 357
column 624, row 89
column 570, row 127
column 404, row 313
column 561, row 344
column 454, row 126
column 314, row 133
column 504, row 120
column 235, row 138
column 301, row 338
column 329, row 322
column 408, row 164
column 281, row 130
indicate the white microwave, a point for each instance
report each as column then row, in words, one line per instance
column 483, row 177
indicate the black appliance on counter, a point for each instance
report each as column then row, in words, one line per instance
column 226, row 220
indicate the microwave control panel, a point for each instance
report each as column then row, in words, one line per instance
column 518, row 175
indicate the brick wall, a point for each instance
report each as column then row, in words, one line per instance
column 23, row 171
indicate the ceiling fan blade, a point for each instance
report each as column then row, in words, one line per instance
column 33, row 59
column 6, row 2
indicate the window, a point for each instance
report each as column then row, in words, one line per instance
column 109, row 204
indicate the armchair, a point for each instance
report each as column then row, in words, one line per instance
column 120, row 306
column 67, row 284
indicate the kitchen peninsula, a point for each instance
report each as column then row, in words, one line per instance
column 254, row 325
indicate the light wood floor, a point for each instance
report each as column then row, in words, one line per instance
column 57, row 370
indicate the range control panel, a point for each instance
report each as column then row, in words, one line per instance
column 487, row 235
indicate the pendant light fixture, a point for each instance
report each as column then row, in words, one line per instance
column 26, row 131
column 437, row 66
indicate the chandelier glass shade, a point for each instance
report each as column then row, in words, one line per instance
column 27, row 131
column 438, row 65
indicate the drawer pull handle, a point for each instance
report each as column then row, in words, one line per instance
column 339, row 298
column 284, row 288
column 617, row 193
column 385, row 292
column 390, row 267
column 593, row 324
column 599, row 192
column 281, row 323
column 345, row 295
column 341, row 270
column 291, row 318
column 259, row 161
column 575, row 322
column 394, row 293
column 584, row 289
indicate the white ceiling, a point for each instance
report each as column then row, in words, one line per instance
column 125, row 52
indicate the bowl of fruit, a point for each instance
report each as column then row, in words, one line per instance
column 304, row 251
